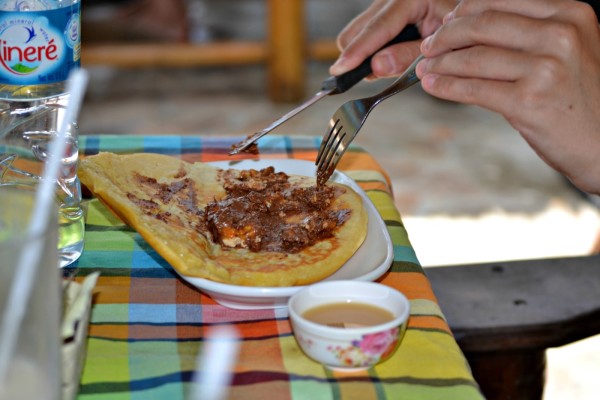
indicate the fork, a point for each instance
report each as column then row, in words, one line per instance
column 349, row 118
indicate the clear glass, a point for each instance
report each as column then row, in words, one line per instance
column 35, row 365
column 26, row 129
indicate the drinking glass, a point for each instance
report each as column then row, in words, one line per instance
column 34, row 370
column 26, row 129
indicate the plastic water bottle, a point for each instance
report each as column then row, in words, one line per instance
column 40, row 44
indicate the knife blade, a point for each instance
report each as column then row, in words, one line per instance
column 330, row 86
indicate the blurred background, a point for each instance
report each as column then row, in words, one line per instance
column 468, row 187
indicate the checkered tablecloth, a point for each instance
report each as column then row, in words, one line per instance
column 148, row 325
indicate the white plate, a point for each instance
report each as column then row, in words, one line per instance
column 370, row 261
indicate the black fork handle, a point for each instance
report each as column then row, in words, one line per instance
column 341, row 83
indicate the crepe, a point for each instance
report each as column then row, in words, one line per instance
column 165, row 200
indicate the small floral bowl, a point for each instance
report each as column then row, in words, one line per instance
column 350, row 348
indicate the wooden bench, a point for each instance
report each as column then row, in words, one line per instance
column 505, row 315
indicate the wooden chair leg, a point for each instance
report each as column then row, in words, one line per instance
column 509, row 375
column 287, row 50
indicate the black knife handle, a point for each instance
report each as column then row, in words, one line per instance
column 347, row 80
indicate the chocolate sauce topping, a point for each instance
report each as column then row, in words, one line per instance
column 162, row 196
column 264, row 212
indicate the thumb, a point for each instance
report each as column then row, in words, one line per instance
column 343, row 64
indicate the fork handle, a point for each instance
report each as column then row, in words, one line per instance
column 341, row 83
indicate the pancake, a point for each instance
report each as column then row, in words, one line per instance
column 241, row 227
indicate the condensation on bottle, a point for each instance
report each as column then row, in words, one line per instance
column 40, row 43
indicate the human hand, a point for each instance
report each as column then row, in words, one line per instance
column 381, row 22
column 537, row 63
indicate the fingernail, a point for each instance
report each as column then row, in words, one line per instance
column 384, row 64
column 426, row 44
column 429, row 80
column 337, row 67
column 422, row 67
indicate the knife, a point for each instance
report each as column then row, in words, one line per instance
column 330, row 86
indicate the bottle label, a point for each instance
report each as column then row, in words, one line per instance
column 39, row 47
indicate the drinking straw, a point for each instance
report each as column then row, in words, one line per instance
column 20, row 291
column 215, row 364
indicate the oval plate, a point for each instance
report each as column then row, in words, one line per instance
column 370, row 261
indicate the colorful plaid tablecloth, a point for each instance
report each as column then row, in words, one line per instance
column 148, row 325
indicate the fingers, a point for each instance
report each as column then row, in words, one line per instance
column 490, row 28
column 564, row 10
column 497, row 96
column 529, row 43
column 543, row 25
column 500, row 30
column 358, row 23
column 531, row 8
column 348, row 60
column 494, row 78
column 478, row 62
column 382, row 23
column 393, row 60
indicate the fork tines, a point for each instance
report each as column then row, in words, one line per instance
column 330, row 152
